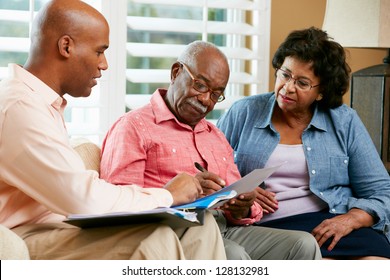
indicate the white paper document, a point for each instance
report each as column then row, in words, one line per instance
column 251, row 180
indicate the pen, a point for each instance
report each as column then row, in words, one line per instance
column 200, row 167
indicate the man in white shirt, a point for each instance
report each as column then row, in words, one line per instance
column 42, row 179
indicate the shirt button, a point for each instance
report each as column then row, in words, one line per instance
column 224, row 159
column 313, row 172
column 174, row 150
column 345, row 161
column 333, row 210
column 321, row 193
column 308, row 148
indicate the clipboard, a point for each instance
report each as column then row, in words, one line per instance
column 168, row 216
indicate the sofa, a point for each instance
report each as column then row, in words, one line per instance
column 12, row 247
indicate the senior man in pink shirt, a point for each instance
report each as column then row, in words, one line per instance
column 42, row 179
column 151, row 145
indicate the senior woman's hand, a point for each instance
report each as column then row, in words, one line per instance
column 266, row 200
column 340, row 226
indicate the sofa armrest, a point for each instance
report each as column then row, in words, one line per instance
column 12, row 247
column 88, row 151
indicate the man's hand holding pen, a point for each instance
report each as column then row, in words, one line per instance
column 210, row 182
column 239, row 207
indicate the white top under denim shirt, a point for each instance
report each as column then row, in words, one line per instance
column 344, row 166
column 290, row 183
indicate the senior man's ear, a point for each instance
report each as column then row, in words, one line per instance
column 175, row 70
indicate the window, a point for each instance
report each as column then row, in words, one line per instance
column 146, row 36
column 15, row 24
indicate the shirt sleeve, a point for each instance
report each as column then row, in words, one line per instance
column 367, row 175
column 42, row 164
column 124, row 155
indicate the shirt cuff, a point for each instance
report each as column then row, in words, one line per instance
column 256, row 213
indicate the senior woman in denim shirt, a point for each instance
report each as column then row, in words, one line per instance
column 333, row 183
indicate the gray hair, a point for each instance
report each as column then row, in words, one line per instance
column 193, row 50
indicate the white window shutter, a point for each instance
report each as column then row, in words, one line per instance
column 243, row 19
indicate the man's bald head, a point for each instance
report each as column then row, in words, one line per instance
column 60, row 17
column 68, row 41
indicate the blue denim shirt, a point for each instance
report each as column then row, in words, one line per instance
column 344, row 166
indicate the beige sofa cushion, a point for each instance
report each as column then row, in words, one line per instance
column 88, row 151
column 12, row 247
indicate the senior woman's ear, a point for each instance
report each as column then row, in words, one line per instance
column 175, row 70
column 319, row 97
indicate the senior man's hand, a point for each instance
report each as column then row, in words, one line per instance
column 239, row 207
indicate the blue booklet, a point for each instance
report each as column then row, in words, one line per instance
column 208, row 201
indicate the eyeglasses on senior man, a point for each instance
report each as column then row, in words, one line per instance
column 199, row 86
column 301, row 83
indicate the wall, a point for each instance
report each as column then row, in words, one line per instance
column 289, row 15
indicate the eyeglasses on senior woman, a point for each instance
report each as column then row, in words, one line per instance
column 199, row 86
column 301, row 83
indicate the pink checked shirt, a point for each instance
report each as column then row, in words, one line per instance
column 149, row 146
